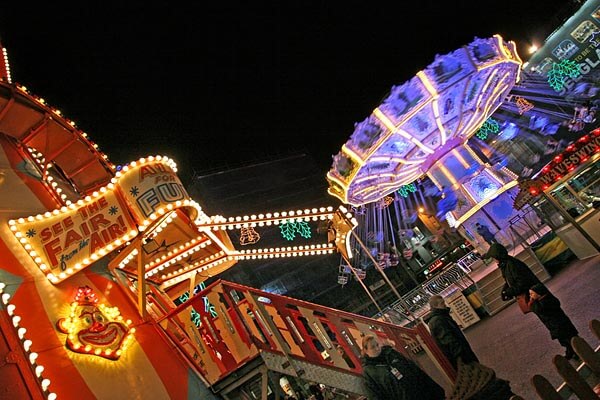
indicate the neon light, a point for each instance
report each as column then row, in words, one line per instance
column 405, row 190
column 489, row 126
column 290, row 228
column 208, row 307
column 523, row 105
column 248, row 236
column 559, row 71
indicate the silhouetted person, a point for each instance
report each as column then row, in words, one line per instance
column 447, row 334
column 519, row 280
column 485, row 233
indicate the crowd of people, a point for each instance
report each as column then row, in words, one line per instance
column 388, row 374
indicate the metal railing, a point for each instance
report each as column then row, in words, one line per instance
column 455, row 277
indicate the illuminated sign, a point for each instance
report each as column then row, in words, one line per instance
column 71, row 237
column 575, row 154
column 576, row 40
column 95, row 329
column 68, row 239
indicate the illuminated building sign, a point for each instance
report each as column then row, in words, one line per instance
column 68, row 239
column 575, row 154
column 576, row 40
column 95, row 329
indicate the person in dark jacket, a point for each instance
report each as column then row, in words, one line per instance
column 547, row 307
column 485, row 233
column 519, row 279
column 447, row 334
column 388, row 375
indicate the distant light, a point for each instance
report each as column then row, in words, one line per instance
column 421, row 210
column 533, row 49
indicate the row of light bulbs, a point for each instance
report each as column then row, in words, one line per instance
column 27, row 343
column 219, row 222
column 188, row 275
column 214, row 256
column 295, row 251
column 58, row 115
column 183, row 250
column 175, row 259
column 6, row 64
column 39, row 159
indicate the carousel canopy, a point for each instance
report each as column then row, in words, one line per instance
column 423, row 119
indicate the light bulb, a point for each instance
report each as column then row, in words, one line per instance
column 21, row 332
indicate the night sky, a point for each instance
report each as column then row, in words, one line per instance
column 230, row 83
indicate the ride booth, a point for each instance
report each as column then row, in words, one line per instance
column 565, row 195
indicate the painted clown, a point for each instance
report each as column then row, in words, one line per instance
column 95, row 329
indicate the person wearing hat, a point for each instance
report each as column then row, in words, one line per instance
column 519, row 279
column 447, row 334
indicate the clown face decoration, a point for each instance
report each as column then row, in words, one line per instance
column 95, row 329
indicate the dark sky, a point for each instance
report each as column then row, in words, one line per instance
column 235, row 82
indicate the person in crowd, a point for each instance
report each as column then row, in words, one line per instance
column 447, row 334
column 547, row 307
column 519, row 279
column 485, row 233
column 389, row 375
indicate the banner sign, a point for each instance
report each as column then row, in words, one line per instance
column 150, row 187
column 563, row 164
column 66, row 240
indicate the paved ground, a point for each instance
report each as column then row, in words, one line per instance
column 518, row 346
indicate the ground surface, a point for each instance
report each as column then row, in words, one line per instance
column 518, row 346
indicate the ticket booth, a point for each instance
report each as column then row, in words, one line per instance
column 566, row 195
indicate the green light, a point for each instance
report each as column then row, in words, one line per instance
column 405, row 190
column 559, row 71
column 290, row 228
column 208, row 307
column 489, row 126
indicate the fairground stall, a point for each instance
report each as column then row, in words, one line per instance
column 565, row 193
column 102, row 281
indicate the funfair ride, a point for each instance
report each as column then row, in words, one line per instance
column 422, row 129
column 102, row 272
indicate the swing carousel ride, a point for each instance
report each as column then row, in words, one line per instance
column 422, row 128
column 450, row 144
